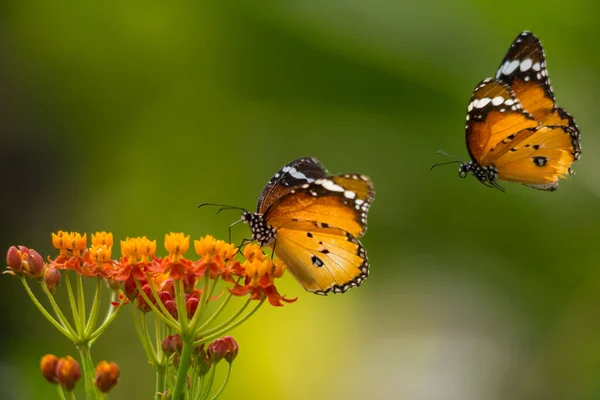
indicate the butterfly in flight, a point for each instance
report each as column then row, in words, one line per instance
column 514, row 130
column 313, row 221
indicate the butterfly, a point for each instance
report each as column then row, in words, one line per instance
column 313, row 221
column 514, row 130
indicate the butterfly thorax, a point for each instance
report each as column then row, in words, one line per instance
column 262, row 232
column 483, row 174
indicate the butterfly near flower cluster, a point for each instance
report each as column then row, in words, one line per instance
column 514, row 131
column 313, row 221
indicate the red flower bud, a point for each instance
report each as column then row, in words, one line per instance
column 51, row 278
column 189, row 281
column 48, row 367
column 165, row 296
column 107, row 376
column 141, row 302
column 232, row 349
column 36, row 264
column 217, row 350
column 204, row 363
column 13, row 259
column 191, row 305
column 168, row 286
column 130, row 288
column 68, row 372
column 172, row 344
column 171, row 308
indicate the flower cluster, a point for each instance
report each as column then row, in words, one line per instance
column 177, row 291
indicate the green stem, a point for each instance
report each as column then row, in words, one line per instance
column 46, row 314
column 164, row 315
column 198, row 390
column 91, row 323
column 204, row 302
column 216, row 314
column 228, row 321
column 206, row 390
column 160, row 381
column 78, row 327
column 237, row 323
column 72, row 395
column 61, row 393
column 110, row 317
column 216, row 396
column 88, row 371
column 81, row 304
column 181, row 310
column 59, row 314
column 184, row 365
column 144, row 337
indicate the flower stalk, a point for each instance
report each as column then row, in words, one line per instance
column 182, row 345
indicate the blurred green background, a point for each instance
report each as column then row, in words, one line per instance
column 124, row 116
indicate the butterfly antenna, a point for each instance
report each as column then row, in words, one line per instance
column 223, row 207
column 443, row 153
column 444, row 163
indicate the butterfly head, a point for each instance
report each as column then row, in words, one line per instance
column 262, row 232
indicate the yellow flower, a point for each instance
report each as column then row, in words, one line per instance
column 256, row 269
column 205, row 247
column 70, row 243
column 139, row 247
column 102, row 238
column 253, row 251
column 278, row 269
column 226, row 250
column 100, row 253
column 177, row 244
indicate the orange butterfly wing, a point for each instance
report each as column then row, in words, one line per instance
column 340, row 201
column 494, row 115
column 524, row 70
column 323, row 260
column 514, row 130
column 316, row 230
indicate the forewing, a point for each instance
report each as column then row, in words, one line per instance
column 524, row 70
column 494, row 115
column 290, row 176
column 322, row 259
column 340, row 201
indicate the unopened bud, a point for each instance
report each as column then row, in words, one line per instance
column 172, row 344
column 107, row 376
column 48, row 367
column 68, row 372
column 36, row 264
column 191, row 305
column 51, row 278
column 13, row 259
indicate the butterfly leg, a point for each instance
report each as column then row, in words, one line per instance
column 231, row 226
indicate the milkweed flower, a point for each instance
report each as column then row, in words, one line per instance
column 107, row 376
column 48, row 367
column 259, row 274
column 67, row 372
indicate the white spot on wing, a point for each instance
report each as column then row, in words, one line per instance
column 330, row 185
column 525, row 65
column 510, row 67
column 496, row 101
column 483, row 102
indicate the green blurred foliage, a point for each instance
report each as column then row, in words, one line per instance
column 123, row 116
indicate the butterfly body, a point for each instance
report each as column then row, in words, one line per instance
column 313, row 222
column 514, row 131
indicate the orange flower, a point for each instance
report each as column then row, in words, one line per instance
column 68, row 372
column 70, row 243
column 253, row 251
column 175, row 265
column 102, row 239
column 259, row 281
column 216, row 257
column 137, row 253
